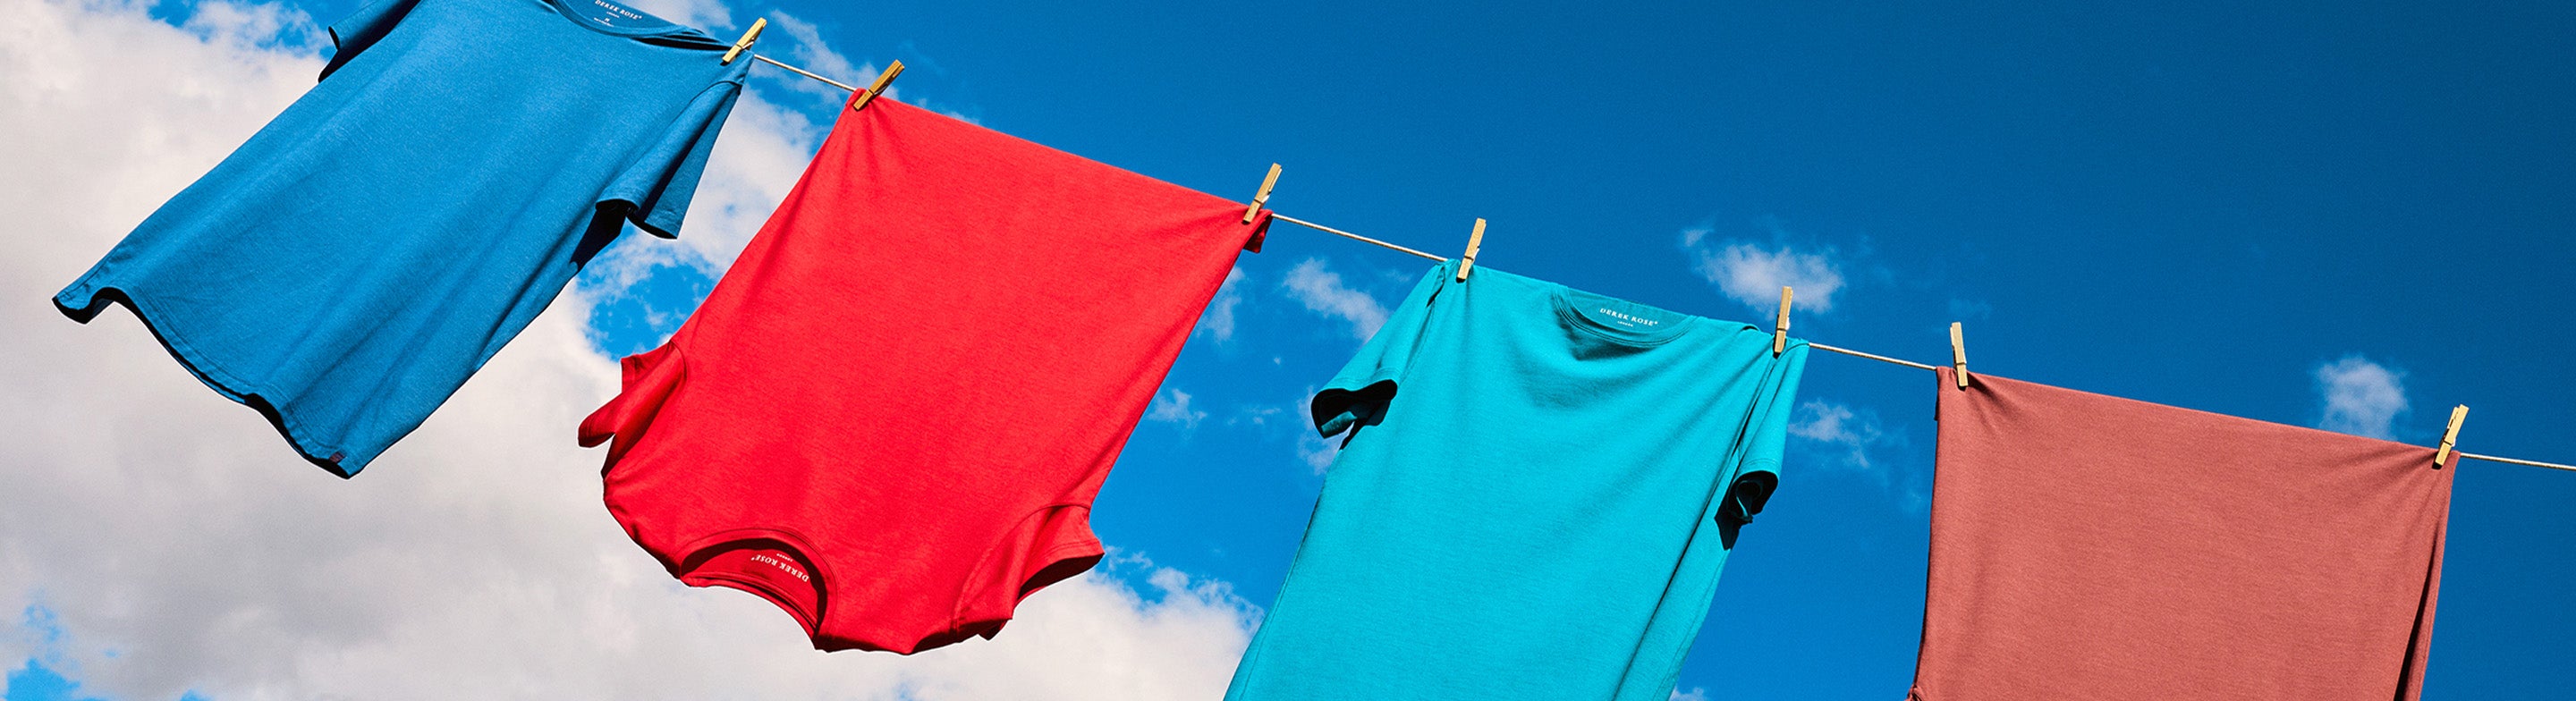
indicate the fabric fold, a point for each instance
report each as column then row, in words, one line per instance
column 349, row 267
column 1532, row 500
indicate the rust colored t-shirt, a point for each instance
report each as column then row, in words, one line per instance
column 891, row 416
column 2091, row 547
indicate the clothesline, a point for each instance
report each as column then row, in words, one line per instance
column 1823, row 347
column 803, row 72
column 896, row 67
column 1363, row 239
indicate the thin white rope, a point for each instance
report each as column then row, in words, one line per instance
column 1351, row 236
column 2513, row 461
column 1871, row 356
column 803, row 72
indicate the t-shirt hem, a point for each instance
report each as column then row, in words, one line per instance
column 1070, row 551
column 961, row 625
column 813, row 628
column 82, row 302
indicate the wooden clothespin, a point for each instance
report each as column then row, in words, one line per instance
column 1958, row 356
column 1262, row 198
column 1780, row 331
column 1475, row 240
column 885, row 78
column 744, row 44
column 2450, row 435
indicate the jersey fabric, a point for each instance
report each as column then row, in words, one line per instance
column 1538, row 491
column 892, row 414
column 346, row 269
column 2092, row 547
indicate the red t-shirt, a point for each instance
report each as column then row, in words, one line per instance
column 892, row 414
column 2091, row 547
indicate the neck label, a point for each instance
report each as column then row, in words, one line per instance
column 1626, row 320
column 783, row 564
column 612, row 14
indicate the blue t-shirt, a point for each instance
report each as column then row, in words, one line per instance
column 345, row 270
column 1538, row 491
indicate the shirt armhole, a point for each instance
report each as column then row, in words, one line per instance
column 1339, row 408
column 1752, row 489
column 352, row 35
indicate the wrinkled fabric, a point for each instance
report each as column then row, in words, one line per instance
column 2091, row 547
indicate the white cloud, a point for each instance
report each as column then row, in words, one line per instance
column 1173, row 406
column 1218, row 321
column 1254, row 415
column 812, row 53
column 1753, row 274
column 1852, row 440
column 1838, row 426
column 758, row 157
column 708, row 15
column 1322, row 292
column 756, row 161
column 1318, row 451
column 1695, row 694
column 2362, row 398
column 184, row 547
column 764, row 148
column 265, row 25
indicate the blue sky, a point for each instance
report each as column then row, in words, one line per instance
column 2242, row 208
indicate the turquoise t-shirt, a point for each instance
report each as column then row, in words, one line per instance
column 1539, row 488
column 347, row 268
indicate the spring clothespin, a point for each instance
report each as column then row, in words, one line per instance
column 1780, row 331
column 1262, row 198
column 1958, row 356
column 1475, row 240
column 2450, row 435
column 744, row 44
column 892, row 69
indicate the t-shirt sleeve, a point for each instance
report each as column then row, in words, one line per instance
column 1367, row 384
column 654, row 191
column 1766, row 435
column 361, row 29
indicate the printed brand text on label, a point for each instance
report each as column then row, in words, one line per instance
column 791, row 568
column 615, row 12
column 1630, row 319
